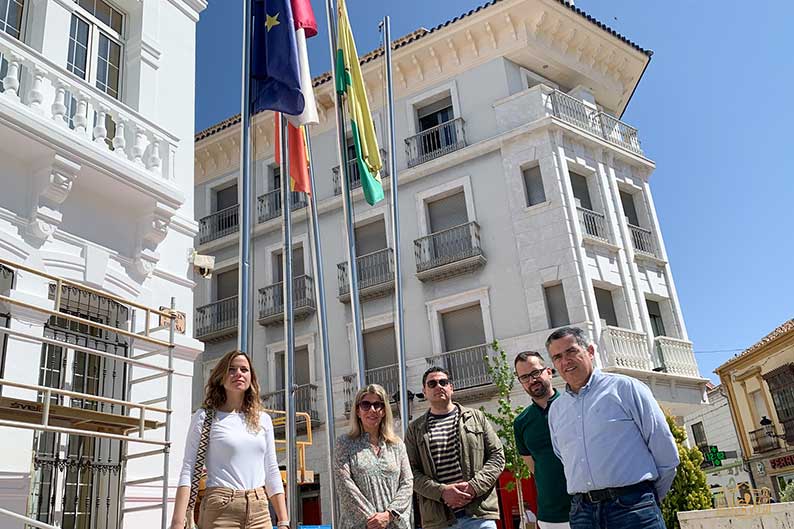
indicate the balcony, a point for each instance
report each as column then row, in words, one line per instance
column 355, row 177
column 305, row 401
column 642, row 240
column 467, row 370
column 375, row 275
column 676, row 356
column 219, row 224
column 593, row 224
column 449, row 252
column 435, row 142
column 387, row 376
column 271, row 300
column 217, row 320
column 268, row 206
column 574, row 112
column 762, row 442
column 626, row 348
column 46, row 109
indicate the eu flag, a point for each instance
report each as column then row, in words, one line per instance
column 275, row 74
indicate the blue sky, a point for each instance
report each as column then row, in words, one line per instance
column 714, row 111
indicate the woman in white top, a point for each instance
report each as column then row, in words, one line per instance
column 242, row 471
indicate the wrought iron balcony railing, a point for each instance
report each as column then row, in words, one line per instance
column 457, row 245
column 219, row 224
column 216, row 320
column 268, row 206
column 593, row 223
column 271, row 300
column 355, row 176
column 467, row 367
column 305, row 400
column 386, row 376
column 375, row 274
column 596, row 122
column 435, row 142
column 642, row 239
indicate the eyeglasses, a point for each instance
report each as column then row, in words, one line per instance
column 533, row 375
column 443, row 382
column 366, row 405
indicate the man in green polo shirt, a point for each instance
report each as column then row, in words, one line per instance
column 534, row 441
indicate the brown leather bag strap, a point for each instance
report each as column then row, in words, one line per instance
column 198, row 467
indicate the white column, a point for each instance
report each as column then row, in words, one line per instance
column 585, row 285
column 628, row 247
column 48, row 23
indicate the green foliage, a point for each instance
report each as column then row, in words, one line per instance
column 501, row 371
column 788, row 492
column 689, row 492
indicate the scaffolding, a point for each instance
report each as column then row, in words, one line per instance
column 98, row 351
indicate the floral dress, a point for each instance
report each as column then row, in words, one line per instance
column 369, row 483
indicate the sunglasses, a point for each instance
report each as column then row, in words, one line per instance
column 366, row 405
column 526, row 377
column 443, row 382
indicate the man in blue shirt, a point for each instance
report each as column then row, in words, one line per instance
column 619, row 455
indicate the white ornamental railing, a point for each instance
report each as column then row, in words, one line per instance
column 677, row 356
column 34, row 84
column 626, row 348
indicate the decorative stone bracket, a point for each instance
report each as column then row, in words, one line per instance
column 152, row 230
column 51, row 185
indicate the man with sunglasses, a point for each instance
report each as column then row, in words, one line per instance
column 533, row 441
column 456, row 458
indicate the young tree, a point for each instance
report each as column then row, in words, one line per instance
column 788, row 492
column 689, row 492
column 501, row 371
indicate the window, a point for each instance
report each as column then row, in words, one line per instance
column 699, row 435
column 555, row 306
column 580, row 190
column 655, row 313
column 371, row 237
column 757, row 399
column 297, row 264
column 627, row 200
column 11, row 17
column 302, row 371
column 606, row 308
column 435, row 114
column 298, row 198
column 463, row 328
column 533, row 186
column 447, row 212
column 380, row 348
column 781, row 386
column 226, row 284
column 226, row 198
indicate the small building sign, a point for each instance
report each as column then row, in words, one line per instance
column 782, row 462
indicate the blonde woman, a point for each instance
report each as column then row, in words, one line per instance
column 242, row 471
column 373, row 473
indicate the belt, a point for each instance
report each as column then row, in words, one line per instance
column 597, row 496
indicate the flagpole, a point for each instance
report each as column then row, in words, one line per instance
column 399, row 329
column 289, row 329
column 344, row 170
column 322, row 324
column 245, row 186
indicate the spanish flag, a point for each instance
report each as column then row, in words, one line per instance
column 350, row 82
column 298, row 156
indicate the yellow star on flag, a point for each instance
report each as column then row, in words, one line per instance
column 271, row 21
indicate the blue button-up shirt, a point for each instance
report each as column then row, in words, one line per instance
column 612, row 434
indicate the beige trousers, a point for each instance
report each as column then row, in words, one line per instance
column 224, row 508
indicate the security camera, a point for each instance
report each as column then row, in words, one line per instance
column 203, row 264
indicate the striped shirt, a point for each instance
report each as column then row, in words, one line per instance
column 445, row 446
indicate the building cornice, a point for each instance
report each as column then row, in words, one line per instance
column 190, row 8
column 781, row 337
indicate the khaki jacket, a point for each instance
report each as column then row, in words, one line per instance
column 482, row 461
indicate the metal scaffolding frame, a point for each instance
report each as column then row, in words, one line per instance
column 55, row 410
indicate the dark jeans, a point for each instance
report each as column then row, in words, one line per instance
column 636, row 510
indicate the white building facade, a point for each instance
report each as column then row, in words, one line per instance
column 711, row 429
column 97, row 176
column 525, row 205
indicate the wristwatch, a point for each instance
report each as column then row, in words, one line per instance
column 283, row 523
